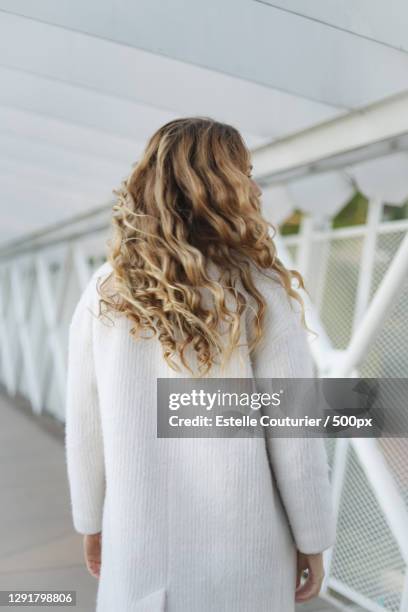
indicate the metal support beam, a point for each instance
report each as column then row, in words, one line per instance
column 377, row 312
column 366, row 272
column 371, row 131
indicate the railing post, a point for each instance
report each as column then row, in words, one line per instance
column 337, row 481
column 367, row 260
column 404, row 595
column 7, row 359
column 50, row 309
column 29, row 362
column 323, row 227
column 80, row 265
column 303, row 259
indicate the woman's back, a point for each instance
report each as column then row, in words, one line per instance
column 193, row 282
column 196, row 523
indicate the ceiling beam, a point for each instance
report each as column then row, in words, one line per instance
column 381, row 127
column 368, row 19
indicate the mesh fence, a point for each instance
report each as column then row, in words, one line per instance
column 395, row 453
column 366, row 560
column 388, row 355
column 341, row 271
column 386, row 248
column 366, row 557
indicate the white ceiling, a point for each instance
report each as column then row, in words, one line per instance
column 83, row 85
column 387, row 22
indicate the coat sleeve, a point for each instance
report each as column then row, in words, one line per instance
column 299, row 464
column 83, row 434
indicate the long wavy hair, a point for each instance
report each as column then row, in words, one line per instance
column 188, row 205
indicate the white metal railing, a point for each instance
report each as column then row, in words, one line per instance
column 40, row 281
column 374, row 257
column 359, row 463
column 41, row 277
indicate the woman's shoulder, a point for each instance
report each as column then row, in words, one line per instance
column 89, row 299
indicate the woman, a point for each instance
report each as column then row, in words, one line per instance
column 192, row 287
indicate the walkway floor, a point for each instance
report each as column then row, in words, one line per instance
column 38, row 547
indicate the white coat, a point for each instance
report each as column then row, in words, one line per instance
column 188, row 525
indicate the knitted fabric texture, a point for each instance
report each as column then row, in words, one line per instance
column 189, row 525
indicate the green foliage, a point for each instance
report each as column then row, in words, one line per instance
column 396, row 213
column 354, row 213
column 292, row 223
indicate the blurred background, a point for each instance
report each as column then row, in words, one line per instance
column 320, row 93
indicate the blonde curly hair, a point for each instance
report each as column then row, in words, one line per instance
column 190, row 204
